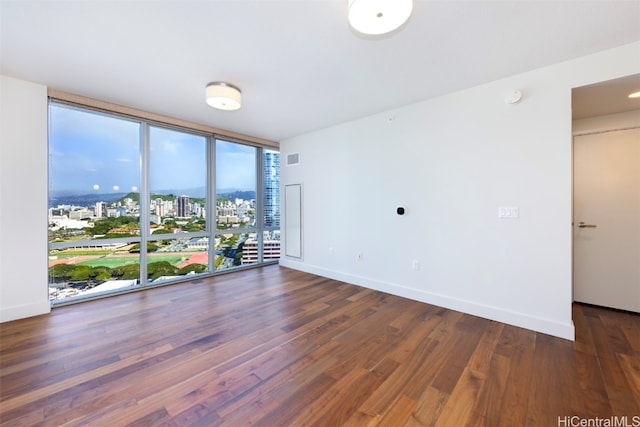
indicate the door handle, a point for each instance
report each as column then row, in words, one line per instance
column 583, row 225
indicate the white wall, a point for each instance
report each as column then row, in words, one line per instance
column 23, row 199
column 451, row 162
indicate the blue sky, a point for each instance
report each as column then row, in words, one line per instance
column 91, row 152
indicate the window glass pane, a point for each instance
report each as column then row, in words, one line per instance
column 235, row 185
column 271, row 190
column 177, row 204
column 94, row 211
column 86, row 271
column 175, row 258
column 177, row 181
column 230, row 250
column 94, row 176
column 271, row 197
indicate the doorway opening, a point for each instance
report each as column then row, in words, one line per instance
column 606, row 194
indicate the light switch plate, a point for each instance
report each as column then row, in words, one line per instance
column 508, row 212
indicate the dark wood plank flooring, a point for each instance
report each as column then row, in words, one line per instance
column 277, row 347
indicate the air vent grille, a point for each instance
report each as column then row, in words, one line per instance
column 293, row 159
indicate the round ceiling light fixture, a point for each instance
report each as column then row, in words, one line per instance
column 377, row 17
column 223, row 96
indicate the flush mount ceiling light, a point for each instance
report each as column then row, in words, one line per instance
column 378, row 16
column 634, row 95
column 223, row 96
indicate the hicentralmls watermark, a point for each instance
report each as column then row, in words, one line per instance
column 614, row 421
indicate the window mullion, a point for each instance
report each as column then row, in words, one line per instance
column 144, row 200
column 260, row 204
column 212, row 219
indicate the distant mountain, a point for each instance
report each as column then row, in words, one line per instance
column 61, row 198
column 64, row 198
column 197, row 192
column 200, row 193
column 239, row 194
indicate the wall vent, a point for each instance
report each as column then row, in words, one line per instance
column 293, row 159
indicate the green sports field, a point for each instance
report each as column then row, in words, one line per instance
column 113, row 262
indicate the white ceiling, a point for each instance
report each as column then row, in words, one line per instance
column 297, row 62
column 609, row 97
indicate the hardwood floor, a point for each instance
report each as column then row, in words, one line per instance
column 277, row 347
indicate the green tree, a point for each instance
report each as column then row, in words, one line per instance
column 102, row 226
column 101, row 273
column 151, row 247
column 238, row 259
column 170, row 223
column 218, row 261
column 193, row 227
column 126, row 272
column 81, row 272
column 160, row 268
column 196, row 268
column 61, row 272
column 162, row 231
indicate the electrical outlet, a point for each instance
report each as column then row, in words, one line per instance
column 415, row 265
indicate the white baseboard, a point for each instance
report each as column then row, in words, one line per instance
column 21, row 311
column 527, row 321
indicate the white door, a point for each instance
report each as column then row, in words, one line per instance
column 606, row 219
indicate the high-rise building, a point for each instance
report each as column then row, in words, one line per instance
column 101, row 210
column 182, row 206
column 271, row 173
column 159, row 209
column 270, row 249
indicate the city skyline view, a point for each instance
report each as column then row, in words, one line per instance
column 101, row 219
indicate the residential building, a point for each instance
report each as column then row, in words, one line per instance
column 271, row 165
column 183, row 209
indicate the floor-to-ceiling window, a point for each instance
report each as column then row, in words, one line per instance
column 134, row 203
column 270, row 167
column 236, row 204
column 178, row 242
column 94, row 211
